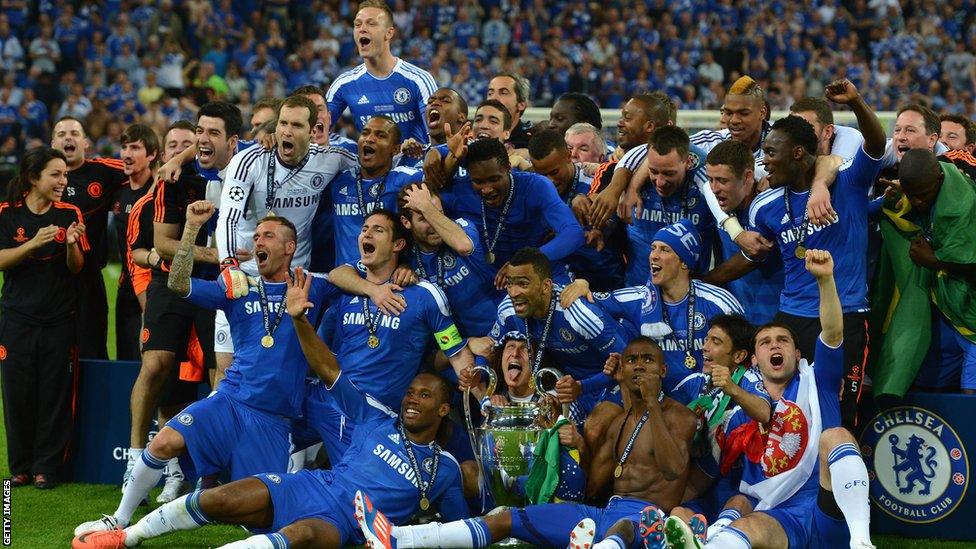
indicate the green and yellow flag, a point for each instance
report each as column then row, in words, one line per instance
column 901, row 299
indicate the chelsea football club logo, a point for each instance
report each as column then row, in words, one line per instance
column 449, row 260
column 273, row 478
column 185, row 419
column 401, row 96
column 917, row 464
column 699, row 321
column 566, row 335
column 374, row 191
column 429, row 465
column 318, row 181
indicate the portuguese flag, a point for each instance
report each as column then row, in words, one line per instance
column 900, row 302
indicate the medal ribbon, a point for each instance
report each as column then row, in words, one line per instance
column 490, row 244
column 372, row 322
column 415, row 465
column 422, row 271
column 541, row 346
column 789, row 214
column 690, row 336
column 269, row 328
column 269, row 199
column 361, row 197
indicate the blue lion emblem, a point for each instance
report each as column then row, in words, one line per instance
column 910, row 461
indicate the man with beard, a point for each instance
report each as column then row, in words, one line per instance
column 92, row 186
column 445, row 109
column 512, row 91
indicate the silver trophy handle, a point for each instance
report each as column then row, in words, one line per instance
column 537, row 381
column 472, row 437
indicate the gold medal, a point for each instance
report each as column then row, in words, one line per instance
column 491, row 257
column 618, row 471
column 267, row 342
column 373, row 342
column 801, row 252
column 690, row 362
column 424, row 504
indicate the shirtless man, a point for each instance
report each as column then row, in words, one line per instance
column 645, row 454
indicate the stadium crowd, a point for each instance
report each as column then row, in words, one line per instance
column 345, row 232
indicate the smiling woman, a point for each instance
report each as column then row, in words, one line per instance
column 42, row 241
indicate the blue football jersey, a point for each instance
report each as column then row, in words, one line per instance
column 468, row 282
column 580, row 338
column 401, row 95
column 759, row 290
column 536, row 213
column 601, row 268
column 268, row 379
column 377, row 463
column 688, row 202
column 633, row 307
column 846, row 239
column 348, row 218
column 386, row 371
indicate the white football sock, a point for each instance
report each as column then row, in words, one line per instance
column 729, row 538
column 468, row 533
column 263, row 541
column 725, row 518
column 849, row 483
column 146, row 474
column 171, row 517
column 611, row 542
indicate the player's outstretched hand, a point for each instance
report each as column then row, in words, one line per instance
column 199, row 212
column 819, row 263
column 296, row 298
column 388, row 298
column 630, row 205
column 841, row 91
column 500, row 282
column 457, row 143
column 74, row 232
column 575, row 290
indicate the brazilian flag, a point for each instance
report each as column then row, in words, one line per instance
column 900, row 302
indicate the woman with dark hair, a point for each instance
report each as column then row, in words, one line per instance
column 42, row 245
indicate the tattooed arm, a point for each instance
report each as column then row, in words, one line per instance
column 197, row 214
